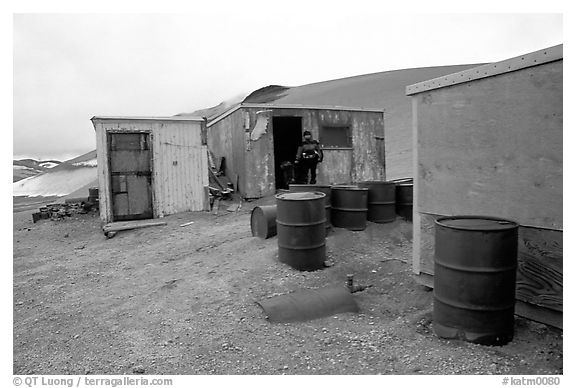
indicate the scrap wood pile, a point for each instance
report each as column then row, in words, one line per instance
column 220, row 187
column 219, row 184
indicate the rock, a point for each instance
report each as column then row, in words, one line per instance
column 138, row 369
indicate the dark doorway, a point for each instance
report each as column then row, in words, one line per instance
column 287, row 132
column 130, row 175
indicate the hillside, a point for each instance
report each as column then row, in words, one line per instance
column 25, row 168
column 59, row 180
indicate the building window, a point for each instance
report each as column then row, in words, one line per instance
column 336, row 137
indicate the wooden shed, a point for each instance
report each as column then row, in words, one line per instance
column 488, row 141
column 149, row 167
column 255, row 139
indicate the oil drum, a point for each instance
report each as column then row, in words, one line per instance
column 349, row 207
column 300, row 224
column 404, row 200
column 475, row 278
column 93, row 194
column 381, row 201
column 263, row 221
column 297, row 188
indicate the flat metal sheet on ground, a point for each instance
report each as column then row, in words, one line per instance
column 309, row 304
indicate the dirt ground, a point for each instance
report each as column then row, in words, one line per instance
column 182, row 300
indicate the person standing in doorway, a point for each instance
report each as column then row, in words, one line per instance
column 308, row 156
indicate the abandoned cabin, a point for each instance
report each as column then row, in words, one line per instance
column 489, row 142
column 150, row 167
column 363, row 123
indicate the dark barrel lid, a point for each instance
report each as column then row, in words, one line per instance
column 300, row 196
column 476, row 223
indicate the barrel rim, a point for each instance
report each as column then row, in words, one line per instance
column 351, row 188
column 320, row 195
column 382, row 183
column 513, row 225
column 309, row 185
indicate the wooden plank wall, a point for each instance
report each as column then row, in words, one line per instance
column 493, row 147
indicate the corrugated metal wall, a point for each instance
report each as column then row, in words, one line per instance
column 180, row 168
column 253, row 160
column 179, row 163
column 226, row 139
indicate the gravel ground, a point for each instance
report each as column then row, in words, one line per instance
column 182, row 300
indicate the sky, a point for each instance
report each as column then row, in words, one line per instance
column 69, row 67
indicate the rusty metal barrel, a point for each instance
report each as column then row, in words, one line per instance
column 297, row 188
column 349, row 207
column 300, row 223
column 381, row 201
column 93, row 194
column 475, row 279
column 263, row 221
column 404, row 199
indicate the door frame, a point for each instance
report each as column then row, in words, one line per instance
column 275, row 116
column 109, row 166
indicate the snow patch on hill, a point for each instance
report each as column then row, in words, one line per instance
column 48, row 164
column 86, row 163
column 54, row 183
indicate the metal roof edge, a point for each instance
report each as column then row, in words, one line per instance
column 150, row 118
column 224, row 115
column 288, row 106
column 317, row 107
column 536, row 58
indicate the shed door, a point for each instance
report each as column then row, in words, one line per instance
column 130, row 175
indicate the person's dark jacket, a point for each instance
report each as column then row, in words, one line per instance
column 310, row 150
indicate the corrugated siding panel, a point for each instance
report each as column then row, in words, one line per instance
column 259, row 160
column 367, row 130
column 103, row 182
column 226, row 139
column 179, row 164
column 180, row 168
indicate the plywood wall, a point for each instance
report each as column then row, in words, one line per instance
column 493, row 147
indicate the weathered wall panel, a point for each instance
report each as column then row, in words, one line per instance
column 367, row 140
column 226, row 138
column 253, row 158
column 259, row 156
column 494, row 147
column 179, row 163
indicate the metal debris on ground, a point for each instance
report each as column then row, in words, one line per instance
column 306, row 305
column 57, row 211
